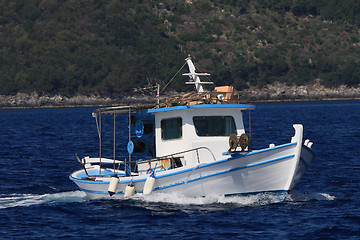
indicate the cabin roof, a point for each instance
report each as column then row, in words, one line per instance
column 134, row 109
column 121, row 109
column 202, row 106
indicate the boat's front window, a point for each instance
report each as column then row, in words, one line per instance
column 214, row 125
column 171, row 128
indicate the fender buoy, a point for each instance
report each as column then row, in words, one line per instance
column 149, row 184
column 112, row 186
column 129, row 190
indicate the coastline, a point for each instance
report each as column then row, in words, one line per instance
column 270, row 93
column 120, row 103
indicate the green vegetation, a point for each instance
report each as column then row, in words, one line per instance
column 110, row 47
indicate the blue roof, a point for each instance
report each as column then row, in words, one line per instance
column 167, row 109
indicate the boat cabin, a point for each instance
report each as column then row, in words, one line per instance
column 195, row 134
column 184, row 135
column 189, row 130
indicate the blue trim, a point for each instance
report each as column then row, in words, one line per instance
column 281, row 192
column 236, row 154
column 104, row 182
column 243, row 106
column 97, row 192
column 233, row 157
column 169, row 186
column 192, row 180
column 223, row 172
column 240, row 168
column 278, row 192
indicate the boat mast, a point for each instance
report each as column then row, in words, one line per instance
column 194, row 76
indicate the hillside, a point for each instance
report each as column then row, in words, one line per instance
column 110, row 47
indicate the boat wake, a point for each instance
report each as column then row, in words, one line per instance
column 174, row 198
column 24, row 200
column 305, row 197
column 248, row 200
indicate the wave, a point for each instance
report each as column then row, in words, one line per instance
column 24, row 200
column 305, row 197
column 178, row 199
column 248, row 200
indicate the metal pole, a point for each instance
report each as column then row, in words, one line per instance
column 158, row 95
column 100, row 142
column 249, row 130
column 114, row 140
column 129, row 142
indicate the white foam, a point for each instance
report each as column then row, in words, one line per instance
column 304, row 197
column 23, row 200
column 175, row 198
column 325, row 196
column 249, row 200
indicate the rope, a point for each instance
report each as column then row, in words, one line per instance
column 173, row 77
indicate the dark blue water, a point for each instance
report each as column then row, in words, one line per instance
column 38, row 201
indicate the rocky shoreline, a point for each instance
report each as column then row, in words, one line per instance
column 310, row 92
column 274, row 92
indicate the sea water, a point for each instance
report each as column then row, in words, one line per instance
column 38, row 201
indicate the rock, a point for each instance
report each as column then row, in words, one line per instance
column 275, row 92
column 313, row 91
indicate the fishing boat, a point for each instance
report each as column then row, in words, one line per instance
column 199, row 147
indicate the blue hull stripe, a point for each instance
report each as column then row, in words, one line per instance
column 98, row 192
column 261, row 151
column 234, row 157
column 240, row 168
column 199, row 178
column 281, row 193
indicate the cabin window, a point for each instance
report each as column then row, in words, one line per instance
column 171, row 128
column 214, row 125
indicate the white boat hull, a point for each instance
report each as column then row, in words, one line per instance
column 275, row 169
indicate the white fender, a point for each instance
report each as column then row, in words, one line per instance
column 129, row 190
column 149, row 184
column 113, row 184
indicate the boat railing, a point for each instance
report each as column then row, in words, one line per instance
column 175, row 155
column 86, row 162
